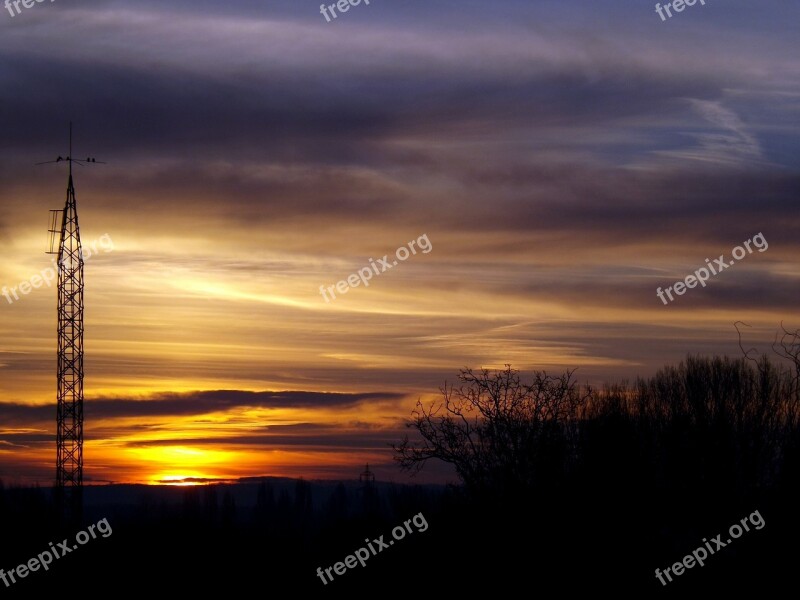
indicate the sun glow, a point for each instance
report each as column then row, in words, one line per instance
column 178, row 480
column 181, row 465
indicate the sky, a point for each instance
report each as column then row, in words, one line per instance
column 559, row 161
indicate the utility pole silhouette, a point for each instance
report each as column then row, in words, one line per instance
column 69, row 416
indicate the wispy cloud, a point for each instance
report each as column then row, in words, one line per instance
column 566, row 157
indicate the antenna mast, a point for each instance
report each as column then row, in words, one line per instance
column 69, row 416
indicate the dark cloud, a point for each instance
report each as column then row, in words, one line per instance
column 330, row 441
column 566, row 158
column 197, row 403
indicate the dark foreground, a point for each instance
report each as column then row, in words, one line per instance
column 271, row 535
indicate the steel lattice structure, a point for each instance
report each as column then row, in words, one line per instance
column 69, row 427
column 69, row 437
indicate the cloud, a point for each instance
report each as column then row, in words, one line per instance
column 731, row 144
column 196, row 403
column 564, row 159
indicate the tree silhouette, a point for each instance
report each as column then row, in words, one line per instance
column 337, row 503
column 502, row 435
column 228, row 508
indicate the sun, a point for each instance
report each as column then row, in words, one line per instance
column 183, row 480
column 181, row 465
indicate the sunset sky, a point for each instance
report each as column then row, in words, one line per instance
column 564, row 159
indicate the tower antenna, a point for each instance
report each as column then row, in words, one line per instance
column 69, row 413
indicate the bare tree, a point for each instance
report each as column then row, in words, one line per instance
column 499, row 433
column 788, row 348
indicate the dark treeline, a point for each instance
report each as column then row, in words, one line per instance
column 601, row 487
column 272, row 533
column 565, row 489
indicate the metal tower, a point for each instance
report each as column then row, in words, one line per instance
column 69, row 435
column 367, row 477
